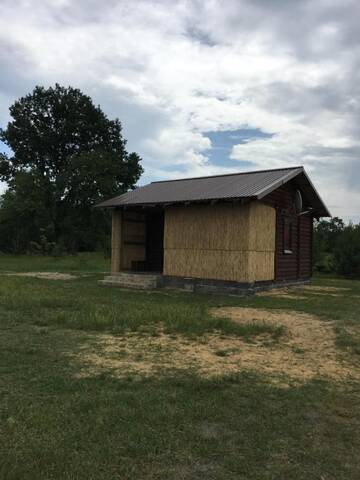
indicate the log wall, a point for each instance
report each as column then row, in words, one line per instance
column 298, row 264
column 305, row 246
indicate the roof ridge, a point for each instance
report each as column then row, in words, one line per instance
column 227, row 174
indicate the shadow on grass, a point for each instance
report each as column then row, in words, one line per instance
column 175, row 426
column 178, row 425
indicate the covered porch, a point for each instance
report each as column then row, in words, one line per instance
column 137, row 241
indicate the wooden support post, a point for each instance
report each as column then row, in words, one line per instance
column 116, row 241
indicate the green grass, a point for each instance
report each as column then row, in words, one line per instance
column 178, row 425
column 84, row 262
column 82, row 304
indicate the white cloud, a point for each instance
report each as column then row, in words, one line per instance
column 173, row 70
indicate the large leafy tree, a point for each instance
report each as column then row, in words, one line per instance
column 67, row 156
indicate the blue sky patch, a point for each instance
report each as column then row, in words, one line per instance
column 4, row 148
column 222, row 143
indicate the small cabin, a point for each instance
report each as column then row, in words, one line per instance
column 226, row 233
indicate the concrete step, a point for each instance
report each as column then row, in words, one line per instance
column 127, row 285
column 114, row 279
column 133, row 280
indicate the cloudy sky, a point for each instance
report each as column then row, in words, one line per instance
column 205, row 86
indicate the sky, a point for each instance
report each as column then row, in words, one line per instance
column 204, row 87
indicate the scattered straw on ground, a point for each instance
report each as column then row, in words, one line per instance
column 306, row 351
column 298, row 293
column 45, row 275
column 326, row 291
column 317, row 288
column 292, row 294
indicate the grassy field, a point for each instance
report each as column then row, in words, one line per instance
column 92, row 385
column 84, row 262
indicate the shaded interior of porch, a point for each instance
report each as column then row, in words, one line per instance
column 138, row 240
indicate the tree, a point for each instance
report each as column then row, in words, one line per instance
column 337, row 247
column 326, row 235
column 347, row 251
column 67, row 157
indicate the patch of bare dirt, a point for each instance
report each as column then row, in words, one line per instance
column 306, row 351
column 292, row 294
column 316, row 288
column 45, row 275
column 297, row 293
column 327, row 294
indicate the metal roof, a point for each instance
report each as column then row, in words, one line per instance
column 243, row 185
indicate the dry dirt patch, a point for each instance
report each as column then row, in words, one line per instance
column 326, row 291
column 297, row 293
column 306, row 351
column 316, row 288
column 45, row 275
column 292, row 294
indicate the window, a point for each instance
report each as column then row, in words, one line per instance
column 288, row 237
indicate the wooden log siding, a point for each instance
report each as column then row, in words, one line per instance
column 298, row 264
column 220, row 242
column 305, row 250
column 286, row 263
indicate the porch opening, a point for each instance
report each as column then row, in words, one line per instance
column 143, row 241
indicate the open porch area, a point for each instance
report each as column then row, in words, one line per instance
column 137, row 241
column 137, row 248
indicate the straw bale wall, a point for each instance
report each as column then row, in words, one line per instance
column 116, row 241
column 222, row 241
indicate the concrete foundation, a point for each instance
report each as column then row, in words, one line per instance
column 144, row 280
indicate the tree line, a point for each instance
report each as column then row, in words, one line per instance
column 337, row 247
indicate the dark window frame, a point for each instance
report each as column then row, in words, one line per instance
column 288, row 236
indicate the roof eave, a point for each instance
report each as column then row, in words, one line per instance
column 286, row 178
column 176, row 202
column 324, row 208
column 321, row 212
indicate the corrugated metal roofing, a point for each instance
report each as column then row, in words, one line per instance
column 220, row 187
